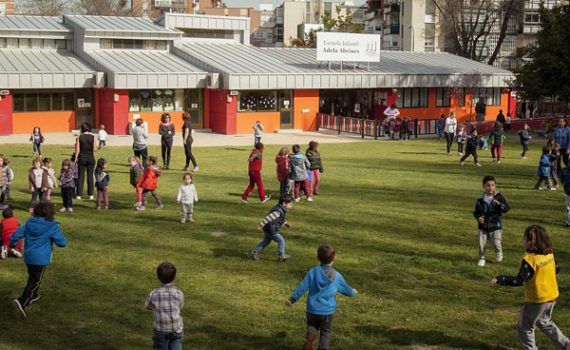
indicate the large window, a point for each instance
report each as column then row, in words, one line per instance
column 492, row 96
column 133, row 44
column 443, row 97
column 43, row 102
column 257, row 101
column 412, row 98
column 153, row 100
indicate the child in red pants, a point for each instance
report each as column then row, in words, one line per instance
column 9, row 225
column 298, row 167
column 255, row 163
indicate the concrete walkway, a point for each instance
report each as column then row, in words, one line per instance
column 201, row 139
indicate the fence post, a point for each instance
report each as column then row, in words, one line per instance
column 375, row 129
column 362, row 127
column 320, row 119
column 338, row 119
column 416, row 127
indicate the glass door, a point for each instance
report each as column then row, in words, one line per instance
column 194, row 106
column 84, row 107
column 286, row 109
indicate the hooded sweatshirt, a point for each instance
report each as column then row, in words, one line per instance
column 39, row 235
column 298, row 166
column 323, row 282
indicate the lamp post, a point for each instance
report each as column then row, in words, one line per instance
column 413, row 36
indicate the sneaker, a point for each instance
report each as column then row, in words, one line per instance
column 498, row 162
column 481, row 262
column 494, row 160
column 461, row 163
column 477, row 164
column 183, row 220
column 253, row 255
column 3, row 252
column 35, row 299
column 499, row 258
column 185, row 168
column 449, row 154
column 70, row 210
column 19, row 309
column 553, row 188
column 191, row 221
column 297, row 200
column 284, row 257
column 137, row 204
column 538, row 188
column 78, row 198
column 90, row 198
column 244, row 201
column 98, row 208
column 16, row 253
column 160, row 207
column 140, row 208
column 267, row 198
column 310, row 199
column 316, row 193
column 196, row 169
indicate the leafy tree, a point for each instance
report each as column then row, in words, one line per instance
column 547, row 71
column 342, row 22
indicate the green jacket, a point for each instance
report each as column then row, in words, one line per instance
column 315, row 160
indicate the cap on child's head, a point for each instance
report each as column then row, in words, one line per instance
column 166, row 272
column 326, row 253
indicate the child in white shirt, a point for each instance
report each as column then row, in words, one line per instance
column 187, row 196
column 102, row 136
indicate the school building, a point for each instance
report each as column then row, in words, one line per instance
column 58, row 72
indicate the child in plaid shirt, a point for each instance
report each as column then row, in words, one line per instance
column 166, row 301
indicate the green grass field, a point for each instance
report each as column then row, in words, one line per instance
column 399, row 214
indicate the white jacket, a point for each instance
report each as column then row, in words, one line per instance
column 187, row 194
column 450, row 125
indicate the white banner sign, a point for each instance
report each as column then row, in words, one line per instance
column 348, row 47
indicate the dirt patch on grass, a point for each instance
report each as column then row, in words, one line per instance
column 218, row 234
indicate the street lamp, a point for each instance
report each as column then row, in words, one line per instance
column 413, row 36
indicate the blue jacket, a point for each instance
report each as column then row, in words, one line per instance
column 39, row 235
column 544, row 166
column 562, row 137
column 323, row 282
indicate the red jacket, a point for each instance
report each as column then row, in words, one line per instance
column 149, row 179
column 9, row 226
column 282, row 168
column 255, row 160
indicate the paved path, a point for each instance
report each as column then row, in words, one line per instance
column 201, row 139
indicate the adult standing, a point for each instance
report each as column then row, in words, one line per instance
column 501, row 117
column 449, row 130
column 167, row 132
column 140, row 135
column 187, row 141
column 480, row 109
column 391, row 114
column 562, row 137
column 85, row 146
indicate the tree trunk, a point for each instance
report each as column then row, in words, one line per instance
column 509, row 10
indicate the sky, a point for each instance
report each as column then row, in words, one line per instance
column 255, row 3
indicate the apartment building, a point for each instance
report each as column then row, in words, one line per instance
column 7, row 7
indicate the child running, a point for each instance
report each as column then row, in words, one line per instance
column 298, row 166
column 461, row 139
column 255, row 163
column 537, row 275
column 40, row 233
column 497, row 137
column 135, row 174
column 187, row 196
column 37, row 178
column 166, row 301
column 322, row 282
column 472, row 143
column 544, row 170
column 271, row 225
column 489, row 210
column 315, row 167
column 524, row 138
column 8, row 226
column 102, row 179
column 282, row 160
column 51, row 180
column 149, row 183
column 67, row 182
column 36, row 138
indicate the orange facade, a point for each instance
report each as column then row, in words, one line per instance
column 61, row 121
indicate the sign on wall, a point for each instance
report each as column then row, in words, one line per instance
column 348, row 47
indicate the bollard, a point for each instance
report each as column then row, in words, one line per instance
column 416, row 127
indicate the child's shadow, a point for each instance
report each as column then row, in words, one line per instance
column 236, row 149
column 228, row 253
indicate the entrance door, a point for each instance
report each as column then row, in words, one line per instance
column 194, row 103
column 286, row 109
column 84, row 107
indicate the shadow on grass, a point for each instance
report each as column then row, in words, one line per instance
column 400, row 336
column 235, row 340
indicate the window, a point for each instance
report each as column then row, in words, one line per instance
column 24, row 43
column 460, row 93
column 492, row 96
column 131, row 44
column 106, row 43
column 532, row 18
column 257, row 101
column 43, row 102
column 413, row 98
column 443, row 97
column 3, row 42
column 152, row 100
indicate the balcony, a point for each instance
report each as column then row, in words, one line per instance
column 393, row 29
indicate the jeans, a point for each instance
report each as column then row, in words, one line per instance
column 254, row 179
column 103, row 195
column 35, row 274
column 322, row 323
column 37, row 194
column 102, row 143
column 166, row 341
column 257, row 139
column 166, row 147
column 496, row 238
column 85, row 165
column 449, row 139
column 460, row 147
column 189, row 154
column 271, row 236
column 67, row 196
column 37, row 148
column 525, row 149
column 468, row 152
column 142, row 154
column 539, row 315
column 316, row 180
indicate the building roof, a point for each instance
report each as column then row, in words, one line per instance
column 116, row 23
column 142, row 69
column 248, row 67
column 44, row 69
column 32, row 23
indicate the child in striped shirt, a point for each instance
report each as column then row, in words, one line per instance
column 271, row 225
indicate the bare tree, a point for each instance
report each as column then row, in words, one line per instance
column 467, row 24
column 468, row 84
column 103, row 7
column 42, row 7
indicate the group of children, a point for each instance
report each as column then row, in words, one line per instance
column 398, row 128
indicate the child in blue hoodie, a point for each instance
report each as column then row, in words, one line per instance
column 544, row 170
column 39, row 233
column 323, row 282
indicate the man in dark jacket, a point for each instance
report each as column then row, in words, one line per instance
column 489, row 210
column 480, row 109
column 501, row 117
